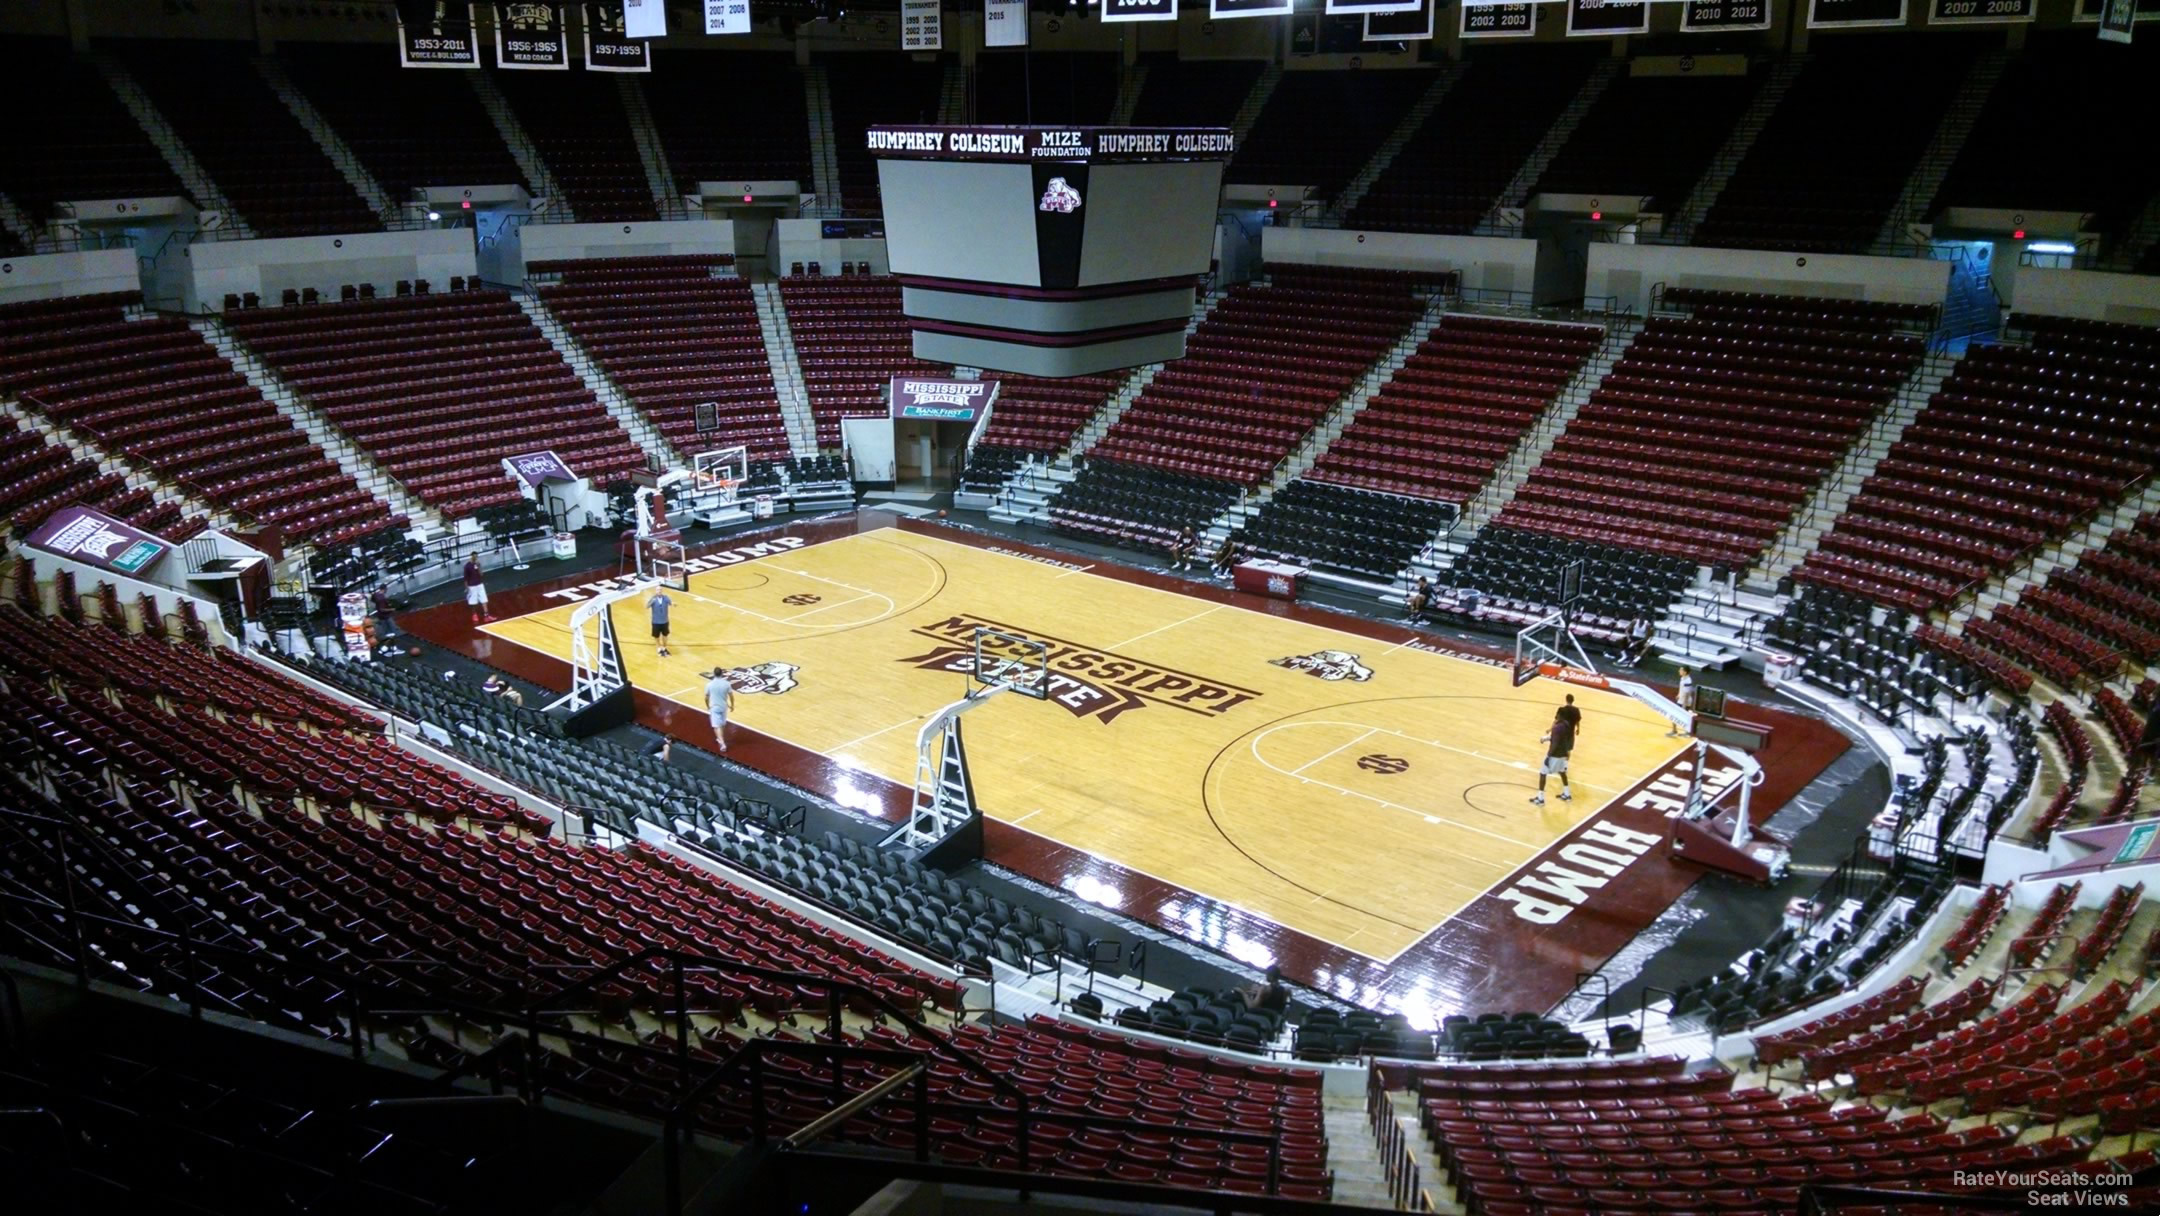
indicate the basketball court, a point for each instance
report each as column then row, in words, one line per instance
column 1279, row 766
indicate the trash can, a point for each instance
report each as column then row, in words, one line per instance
column 565, row 545
column 761, row 507
column 1777, row 668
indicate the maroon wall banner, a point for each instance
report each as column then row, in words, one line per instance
column 539, row 468
column 97, row 539
column 437, row 34
column 941, row 400
column 607, row 47
column 1722, row 16
column 532, row 36
column 1072, row 144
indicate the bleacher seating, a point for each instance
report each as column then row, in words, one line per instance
column 100, row 152
column 1692, row 115
column 1038, row 415
column 1457, row 408
column 1054, row 87
column 1370, row 533
column 851, row 339
column 867, row 90
column 38, row 477
column 410, row 129
column 577, row 121
column 1319, row 128
column 153, row 392
column 2030, row 150
column 672, row 335
column 473, row 381
column 1138, row 506
column 1193, row 92
column 2018, row 446
column 1725, row 420
column 259, row 155
column 766, row 135
column 1517, row 573
column 2077, row 754
column 1265, row 366
column 1806, row 184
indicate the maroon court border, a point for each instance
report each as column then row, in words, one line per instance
column 1491, row 956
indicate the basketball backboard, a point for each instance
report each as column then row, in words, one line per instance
column 1010, row 661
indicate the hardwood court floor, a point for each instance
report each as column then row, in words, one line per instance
column 1363, row 797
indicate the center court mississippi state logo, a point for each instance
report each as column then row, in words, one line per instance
column 1087, row 681
column 773, row 678
column 1327, row 665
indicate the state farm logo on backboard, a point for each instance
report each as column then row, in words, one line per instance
column 1087, row 681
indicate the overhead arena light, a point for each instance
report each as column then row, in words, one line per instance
column 2051, row 247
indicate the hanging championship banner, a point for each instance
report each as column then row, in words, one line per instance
column 1723, row 16
column 1338, row 7
column 1138, row 10
column 1219, row 9
column 607, row 48
column 1413, row 26
column 1005, row 23
column 1499, row 20
column 644, row 19
column 922, row 24
column 1980, row 12
column 728, row 16
column 2117, row 20
column 436, row 34
column 1831, row 14
column 532, row 36
column 1592, row 18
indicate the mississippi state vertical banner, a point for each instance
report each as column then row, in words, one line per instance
column 532, row 36
column 1139, row 10
column 922, row 25
column 607, row 47
column 1005, row 23
column 436, row 34
column 727, row 16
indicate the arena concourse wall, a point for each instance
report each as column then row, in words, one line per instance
column 2088, row 295
column 1628, row 273
column 269, row 266
column 46, row 276
column 1486, row 263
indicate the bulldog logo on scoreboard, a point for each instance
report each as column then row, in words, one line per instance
column 1060, row 197
column 772, row 678
column 1327, row 665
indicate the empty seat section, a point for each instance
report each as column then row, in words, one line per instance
column 673, row 334
column 410, row 129
column 440, row 390
column 252, row 147
column 1021, row 87
column 1451, row 171
column 733, row 118
column 1807, row 184
column 1193, row 92
column 851, row 339
column 583, row 134
column 154, row 392
column 2018, row 446
column 1269, row 362
column 1713, row 429
column 1362, row 532
column 1041, row 416
column 100, row 152
column 38, row 476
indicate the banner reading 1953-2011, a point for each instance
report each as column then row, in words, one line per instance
column 532, row 36
column 1723, row 16
column 1499, row 20
column 437, row 34
column 1413, row 26
column 607, row 47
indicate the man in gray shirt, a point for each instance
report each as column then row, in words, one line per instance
column 659, row 603
column 719, row 700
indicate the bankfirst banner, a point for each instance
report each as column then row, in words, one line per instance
column 941, row 400
column 98, row 539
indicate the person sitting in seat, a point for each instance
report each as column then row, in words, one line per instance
column 1420, row 601
column 1270, row 996
column 1184, row 548
column 496, row 686
column 1636, row 646
column 1226, row 556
